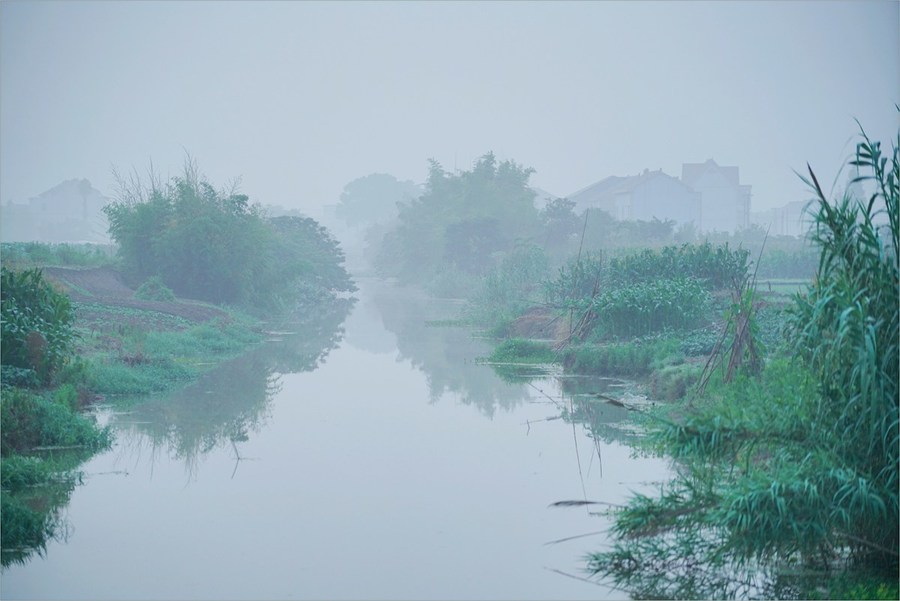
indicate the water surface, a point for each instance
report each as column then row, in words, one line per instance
column 374, row 458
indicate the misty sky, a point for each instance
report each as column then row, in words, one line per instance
column 300, row 98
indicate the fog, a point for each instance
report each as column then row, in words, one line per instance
column 298, row 99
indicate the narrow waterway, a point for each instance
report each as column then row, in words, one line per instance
column 361, row 458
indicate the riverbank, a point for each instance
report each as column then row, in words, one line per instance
column 122, row 346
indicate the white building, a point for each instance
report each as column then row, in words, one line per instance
column 724, row 202
column 652, row 194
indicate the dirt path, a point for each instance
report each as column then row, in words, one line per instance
column 104, row 286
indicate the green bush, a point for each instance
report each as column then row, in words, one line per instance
column 520, row 350
column 154, row 289
column 215, row 245
column 37, row 330
column 634, row 358
column 33, row 254
column 511, row 288
column 717, row 267
column 650, row 307
column 30, row 420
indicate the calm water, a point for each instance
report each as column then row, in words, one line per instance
column 361, row 458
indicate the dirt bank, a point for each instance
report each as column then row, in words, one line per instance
column 104, row 286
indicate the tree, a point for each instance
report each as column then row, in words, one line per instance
column 461, row 221
column 215, row 245
column 374, row 199
column 561, row 226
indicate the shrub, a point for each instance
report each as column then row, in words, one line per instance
column 36, row 326
column 31, row 420
column 520, row 350
column 154, row 289
column 630, row 359
column 650, row 307
column 511, row 288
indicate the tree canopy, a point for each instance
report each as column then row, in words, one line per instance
column 215, row 245
column 463, row 221
column 374, row 199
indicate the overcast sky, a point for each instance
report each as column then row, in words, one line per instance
column 298, row 99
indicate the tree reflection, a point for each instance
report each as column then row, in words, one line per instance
column 590, row 402
column 35, row 514
column 447, row 354
column 225, row 406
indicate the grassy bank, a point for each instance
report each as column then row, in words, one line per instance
column 59, row 357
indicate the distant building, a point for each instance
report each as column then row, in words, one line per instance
column 69, row 212
column 652, row 194
column 789, row 220
column 724, row 202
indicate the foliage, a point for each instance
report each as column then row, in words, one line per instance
column 797, row 264
column 561, row 226
column 650, row 307
column 153, row 289
column 214, row 245
column 576, row 280
column 462, row 220
column 374, row 198
column 36, row 326
column 602, row 232
column 634, row 358
column 510, row 288
column 717, row 267
column 307, row 254
column 797, row 467
column 520, row 350
column 146, row 361
column 32, row 420
column 34, row 254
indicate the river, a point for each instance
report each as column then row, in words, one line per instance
column 368, row 455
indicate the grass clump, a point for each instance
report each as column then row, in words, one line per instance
column 521, row 350
column 635, row 358
column 33, row 420
column 154, row 289
column 153, row 361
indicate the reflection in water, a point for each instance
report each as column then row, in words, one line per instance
column 225, row 406
column 445, row 354
column 352, row 462
column 38, row 511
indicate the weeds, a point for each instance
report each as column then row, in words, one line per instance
column 795, row 468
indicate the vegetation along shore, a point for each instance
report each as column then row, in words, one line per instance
column 196, row 277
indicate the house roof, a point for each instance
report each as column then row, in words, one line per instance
column 618, row 185
column 691, row 172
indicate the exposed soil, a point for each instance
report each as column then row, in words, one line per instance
column 104, row 286
column 542, row 324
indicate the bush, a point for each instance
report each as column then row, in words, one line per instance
column 717, row 267
column 31, row 420
column 511, row 288
column 154, row 289
column 215, row 245
column 629, row 359
column 520, row 350
column 36, row 326
column 650, row 307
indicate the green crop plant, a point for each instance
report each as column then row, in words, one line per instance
column 37, row 331
column 793, row 470
column 650, row 307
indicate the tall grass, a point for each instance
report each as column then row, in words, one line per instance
column 795, row 469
